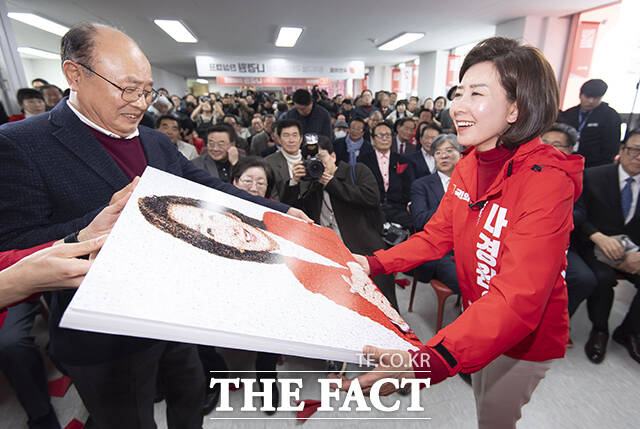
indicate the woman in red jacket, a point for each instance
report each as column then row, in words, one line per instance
column 507, row 214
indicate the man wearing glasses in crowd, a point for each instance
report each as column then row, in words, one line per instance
column 59, row 170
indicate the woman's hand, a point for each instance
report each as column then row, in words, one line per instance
column 299, row 214
column 391, row 364
column 362, row 260
column 52, row 268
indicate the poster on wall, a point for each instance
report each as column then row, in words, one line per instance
column 191, row 264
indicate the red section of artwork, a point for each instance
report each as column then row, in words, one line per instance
column 74, row 424
column 310, row 407
column 59, row 387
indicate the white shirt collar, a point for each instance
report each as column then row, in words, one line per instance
column 444, row 179
column 623, row 175
column 87, row 121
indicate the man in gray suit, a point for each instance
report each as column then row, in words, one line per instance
column 260, row 142
column 220, row 154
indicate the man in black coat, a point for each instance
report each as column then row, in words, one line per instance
column 611, row 199
column 598, row 124
column 346, row 199
column 313, row 117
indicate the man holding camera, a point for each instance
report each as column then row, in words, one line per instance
column 287, row 163
column 345, row 198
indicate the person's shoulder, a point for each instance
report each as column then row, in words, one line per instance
column 600, row 171
column 274, row 157
column 424, row 181
column 36, row 127
column 342, row 141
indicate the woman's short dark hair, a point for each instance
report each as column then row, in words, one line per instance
column 253, row 161
column 28, row 94
column 527, row 78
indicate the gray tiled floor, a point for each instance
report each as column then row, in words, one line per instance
column 575, row 393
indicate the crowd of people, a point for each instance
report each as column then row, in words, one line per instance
column 362, row 166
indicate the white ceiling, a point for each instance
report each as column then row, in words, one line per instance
column 345, row 29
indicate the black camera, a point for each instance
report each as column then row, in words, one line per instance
column 312, row 165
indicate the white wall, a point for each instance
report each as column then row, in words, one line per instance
column 174, row 83
column 48, row 70
column 432, row 76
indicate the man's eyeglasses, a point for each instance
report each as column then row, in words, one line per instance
column 383, row 136
column 633, row 151
column 130, row 94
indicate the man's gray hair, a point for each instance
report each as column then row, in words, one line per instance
column 443, row 138
column 570, row 132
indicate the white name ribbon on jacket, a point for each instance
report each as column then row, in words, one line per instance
column 210, row 66
column 188, row 263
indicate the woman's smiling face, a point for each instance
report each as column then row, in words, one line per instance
column 480, row 109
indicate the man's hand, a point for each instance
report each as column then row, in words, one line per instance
column 299, row 214
column 124, row 191
column 105, row 220
column 631, row 263
column 233, row 155
column 298, row 172
column 325, row 179
column 391, row 364
column 362, row 260
column 610, row 246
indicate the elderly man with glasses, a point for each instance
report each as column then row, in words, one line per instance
column 59, row 170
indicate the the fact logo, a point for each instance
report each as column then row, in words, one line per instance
column 354, row 399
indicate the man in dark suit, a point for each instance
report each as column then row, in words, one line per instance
column 59, row 170
column 611, row 198
column 393, row 174
column 402, row 141
column 346, row 199
column 422, row 161
column 347, row 149
column 426, row 194
column 598, row 124
column 220, row 154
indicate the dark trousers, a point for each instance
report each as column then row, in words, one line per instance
column 387, row 285
column 21, row 362
column 600, row 302
column 397, row 213
column 213, row 361
column 443, row 269
column 581, row 282
column 119, row 394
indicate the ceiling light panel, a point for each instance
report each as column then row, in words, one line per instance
column 176, row 30
column 39, row 22
column 399, row 41
column 38, row 53
column 288, row 36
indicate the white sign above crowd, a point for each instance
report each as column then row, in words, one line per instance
column 278, row 67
